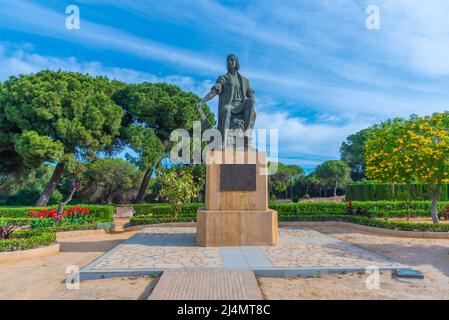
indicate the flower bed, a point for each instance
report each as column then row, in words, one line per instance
column 98, row 213
column 50, row 218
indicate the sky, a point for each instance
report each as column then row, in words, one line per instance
column 319, row 74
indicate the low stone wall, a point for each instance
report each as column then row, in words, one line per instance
column 78, row 233
column 16, row 256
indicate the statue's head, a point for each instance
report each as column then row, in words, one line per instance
column 232, row 63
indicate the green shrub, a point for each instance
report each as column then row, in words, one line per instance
column 68, row 227
column 17, row 221
column 151, row 219
column 380, row 192
column 107, row 226
column 27, row 239
column 394, row 225
column 28, row 196
column 161, row 213
column 164, row 210
column 295, row 199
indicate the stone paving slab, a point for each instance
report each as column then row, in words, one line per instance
column 300, row 251
column 207, row 285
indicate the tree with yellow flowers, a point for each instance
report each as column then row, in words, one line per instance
column 411, row 151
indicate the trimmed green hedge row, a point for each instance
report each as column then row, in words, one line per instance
column 379, row 192
column 394, row 225
column 151, row 219
column 98, row 212
column 27, row 239
column 157, row 209
column 384, row 209
column 17, row 221
column 70, row 227
column 286, row 211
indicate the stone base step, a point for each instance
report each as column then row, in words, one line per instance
column 207, row 285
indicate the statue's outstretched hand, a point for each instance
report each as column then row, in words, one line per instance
column 199, row 108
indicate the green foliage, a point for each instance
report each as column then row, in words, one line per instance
column 411, row 151
column 25, row 189
column 157, row 209
column 315, row 212
column 108, row 226
column 178, row 187
column 111, row 175
column 157, row 213
column 72, row 227
column 57, row 117
column 352, row 151
column 393, row 225
column 146, row 145
column 334, row 172
column 160, row 106
column 285, row 177
column 379, row 192
column 24, row 240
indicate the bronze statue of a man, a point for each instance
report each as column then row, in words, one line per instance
column 236, row 101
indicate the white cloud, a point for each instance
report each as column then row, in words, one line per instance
column 419, row 31
column 308, row 140
column 14, row 62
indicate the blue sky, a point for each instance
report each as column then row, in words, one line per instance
column 319, row 74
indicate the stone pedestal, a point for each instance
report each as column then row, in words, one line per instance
column 236, row 212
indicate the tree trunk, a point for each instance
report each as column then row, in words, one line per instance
column 61, row 206
column 335, row 189
column 434, row 210
column 51, row 186
column 144, row 185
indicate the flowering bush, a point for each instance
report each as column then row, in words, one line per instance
column 49, row 218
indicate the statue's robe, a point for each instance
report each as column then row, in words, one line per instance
column 233, row 114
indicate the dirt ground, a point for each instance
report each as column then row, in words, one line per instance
column 45, row 278
column 429, row 256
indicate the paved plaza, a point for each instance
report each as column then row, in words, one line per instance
column 300, row 251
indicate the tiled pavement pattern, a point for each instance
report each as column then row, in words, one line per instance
column 207, row 285
column 300, row 251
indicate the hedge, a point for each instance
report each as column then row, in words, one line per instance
column 27, row 239
column 162, row 210
column 287, row 211
column 151, row 219
column 394, row 225
column 385, row 209
column 16, row 221
column 70, row 227
column 379, row 192
column 98, row 212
